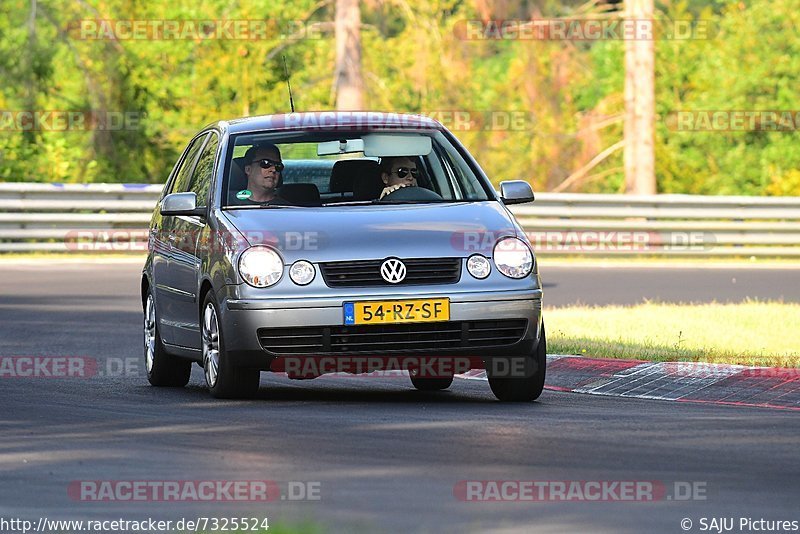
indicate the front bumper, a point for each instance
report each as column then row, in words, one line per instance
column 242, row 318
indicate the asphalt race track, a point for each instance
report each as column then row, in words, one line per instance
column 382, row 456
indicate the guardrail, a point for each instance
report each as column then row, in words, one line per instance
column 114, row 217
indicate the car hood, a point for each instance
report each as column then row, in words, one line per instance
column 376, row 231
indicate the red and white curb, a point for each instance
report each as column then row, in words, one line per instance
column 738, row 385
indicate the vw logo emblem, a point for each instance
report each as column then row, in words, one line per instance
column 393, row 271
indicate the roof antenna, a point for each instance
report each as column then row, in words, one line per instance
column 288, row 83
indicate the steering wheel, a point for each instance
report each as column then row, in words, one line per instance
column 411, row 193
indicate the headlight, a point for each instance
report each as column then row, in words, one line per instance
column 479, row 266
column 302, row 272
column 260, row 266
column 513, row 257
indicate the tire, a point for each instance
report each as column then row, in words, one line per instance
column 430, row 384
column 521, row 388
column 164, row 370
column 224, row 380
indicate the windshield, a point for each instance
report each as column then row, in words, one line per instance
column 313, row 169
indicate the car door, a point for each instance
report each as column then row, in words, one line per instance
column 186, row 258
column 168, row 296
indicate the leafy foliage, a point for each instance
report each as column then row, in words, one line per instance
column 546, row 108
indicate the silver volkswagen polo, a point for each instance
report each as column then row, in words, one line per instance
column 314, row 243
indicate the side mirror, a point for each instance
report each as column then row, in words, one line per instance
column 515, row 192
column 182, row 204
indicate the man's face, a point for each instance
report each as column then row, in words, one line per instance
column 258, row 177
column 402, row 172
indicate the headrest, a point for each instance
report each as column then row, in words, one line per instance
column 237, row 172
column 344, row 173
column 300, row 194
column 367, row 187
column 237, row 181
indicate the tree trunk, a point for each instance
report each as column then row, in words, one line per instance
column 31, row 85
column 349, row 84
column 639, row 152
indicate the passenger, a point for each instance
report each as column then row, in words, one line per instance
column 263, row 170
column 397, row 172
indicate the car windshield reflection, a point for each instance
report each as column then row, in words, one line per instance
column 314, row 169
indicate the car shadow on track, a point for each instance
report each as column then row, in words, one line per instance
column 354, row 390
column 352, row 394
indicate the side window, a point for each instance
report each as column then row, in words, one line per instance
column 181, row 181
column 204, row 171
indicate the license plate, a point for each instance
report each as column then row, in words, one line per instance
column 397, row 311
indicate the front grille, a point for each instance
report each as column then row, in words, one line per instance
column 392, row 338
column 365, row 273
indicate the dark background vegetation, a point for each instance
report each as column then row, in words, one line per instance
column 413, row 61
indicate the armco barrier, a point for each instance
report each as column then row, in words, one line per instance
column 44, row 217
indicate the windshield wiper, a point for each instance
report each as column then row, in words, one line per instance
column 259, row 206
column 353, row 203
column 428, row 201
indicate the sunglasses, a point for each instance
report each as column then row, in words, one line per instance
column 267, row 163
column 402, row 172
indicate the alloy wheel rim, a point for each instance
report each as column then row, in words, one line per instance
column 210, row 334
column 149, row 333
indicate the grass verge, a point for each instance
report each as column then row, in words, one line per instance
column 749, row 333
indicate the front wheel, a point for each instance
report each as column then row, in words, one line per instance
column 519, row 378
column 162, row 369
column 224, row 380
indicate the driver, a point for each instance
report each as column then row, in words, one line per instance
column 397, row 172
column 263, row 169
